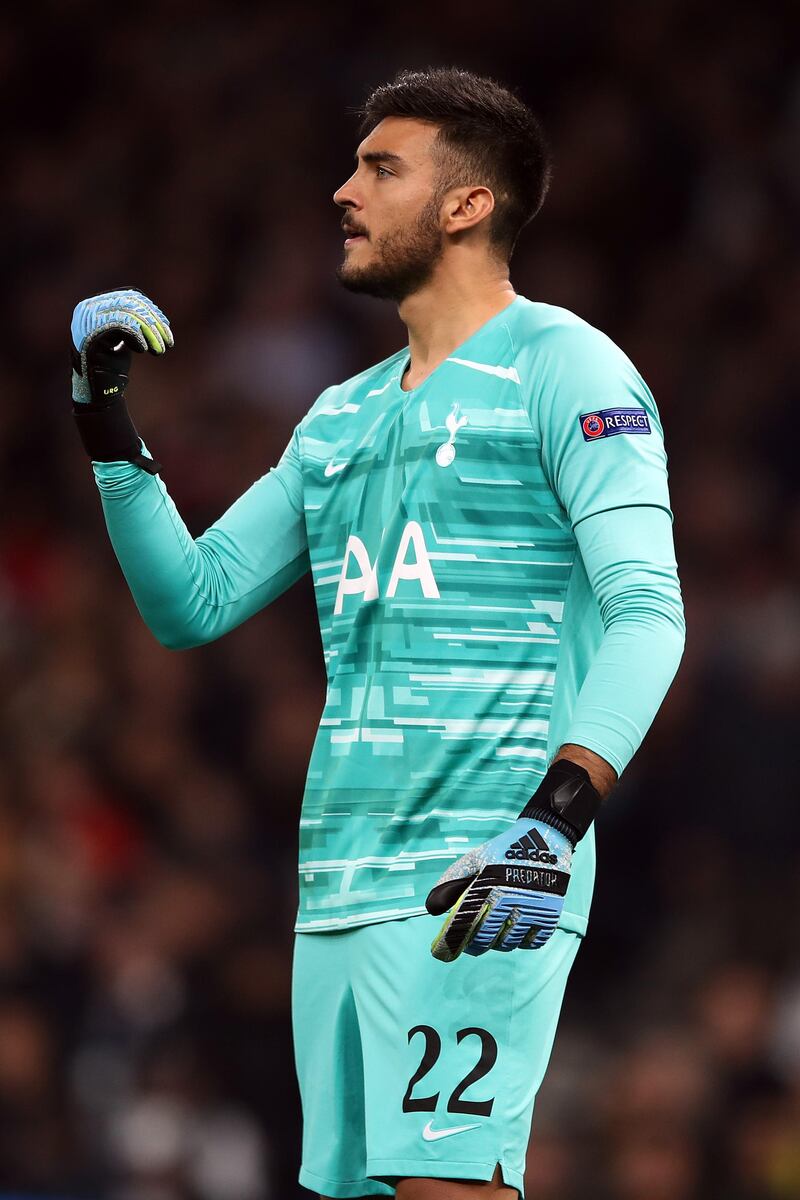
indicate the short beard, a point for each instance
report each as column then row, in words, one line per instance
column 404, row 260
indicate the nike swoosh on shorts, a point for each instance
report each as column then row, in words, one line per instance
column 433, row 1135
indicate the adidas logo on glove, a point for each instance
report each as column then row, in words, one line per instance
column 533, row 848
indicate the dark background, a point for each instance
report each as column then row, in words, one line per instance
column 149, row 800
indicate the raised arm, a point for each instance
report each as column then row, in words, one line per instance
column 188, row 591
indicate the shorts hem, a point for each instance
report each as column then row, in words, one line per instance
column 389, row 1170
column 342, row 1189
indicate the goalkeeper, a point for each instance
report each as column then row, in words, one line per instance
column 486, row 518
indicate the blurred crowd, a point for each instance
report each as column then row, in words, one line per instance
column 149, row 800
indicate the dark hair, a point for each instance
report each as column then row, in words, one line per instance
column 487, row 136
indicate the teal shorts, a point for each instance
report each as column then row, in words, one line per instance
column 410, row 1067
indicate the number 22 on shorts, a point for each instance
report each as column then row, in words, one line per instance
column 455, row 1104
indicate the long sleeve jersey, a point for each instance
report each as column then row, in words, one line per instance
column 495, row 576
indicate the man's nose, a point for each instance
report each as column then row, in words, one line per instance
column 346, row 196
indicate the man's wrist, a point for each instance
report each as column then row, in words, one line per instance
column 565, row 799
column 602, row 775
column 109, row 435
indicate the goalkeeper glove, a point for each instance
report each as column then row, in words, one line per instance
column 106, row 329
column 510, row 891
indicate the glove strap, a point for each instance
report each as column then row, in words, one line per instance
column 564, row 799
column 109, row 435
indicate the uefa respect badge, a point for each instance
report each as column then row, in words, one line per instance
column 608, row 422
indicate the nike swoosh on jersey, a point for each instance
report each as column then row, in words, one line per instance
column 334, row 468
column 488, row 369
column 433, row 1135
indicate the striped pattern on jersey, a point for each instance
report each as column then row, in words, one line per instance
column 441, row 559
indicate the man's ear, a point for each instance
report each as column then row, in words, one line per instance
column 466, row 207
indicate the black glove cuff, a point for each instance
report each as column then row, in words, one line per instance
column 565, row 799
column 109, row 435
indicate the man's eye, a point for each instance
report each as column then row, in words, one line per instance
column 382, row 173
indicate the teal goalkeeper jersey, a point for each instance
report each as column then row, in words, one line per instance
column 442, row 526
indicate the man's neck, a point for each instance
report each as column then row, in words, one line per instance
column 444, row 314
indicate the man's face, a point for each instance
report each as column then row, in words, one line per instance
column 391, row 214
